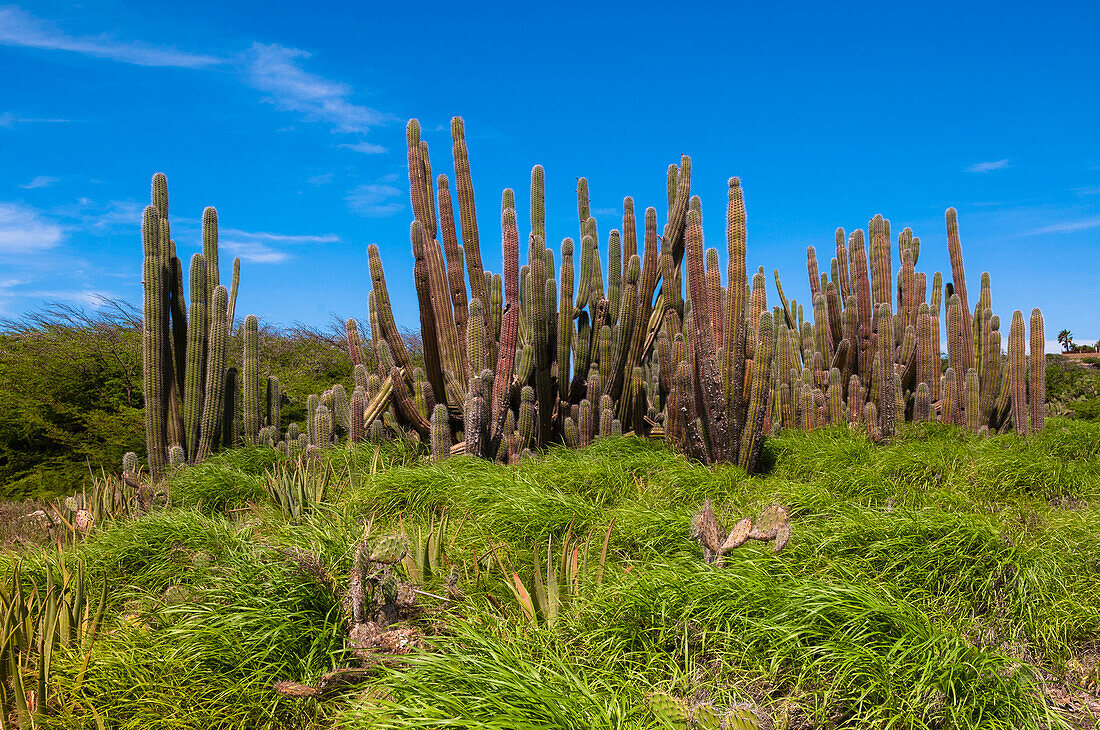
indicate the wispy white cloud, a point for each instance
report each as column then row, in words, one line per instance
column 374, row 201
column 258, row 247
column 1081, row 224
column 322, row 179
column 366, row 148
column 89, row 215
column 280, row 237
column 40, row 181
column 20, row 28
column 988, row 166
column 276, row 71
column 23, row 229
column 10, row 119
column 269, row 68
column 88, row 297
column 1090, row 190
column 608, row 212
column 254, row 252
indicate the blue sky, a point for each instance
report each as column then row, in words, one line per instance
column 290, row 120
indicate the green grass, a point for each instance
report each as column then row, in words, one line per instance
column 932, row 582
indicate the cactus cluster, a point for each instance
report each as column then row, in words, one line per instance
column 190, row 392
column 873, row 350
column 551, row 352
column 661, row 347
column 565, row 348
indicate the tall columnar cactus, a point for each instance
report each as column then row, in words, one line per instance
column 708, row 376
column 565, row 317
column 949, row 407
column 355, row 345
column 251, row 378
column 752, row 436
column 356, row 409
column 509, row 327
column 1038, row 371
column 468, row 211
column 197, row 330
column 879, row 231
column 456, row 269
column 155, row 349
column 440, row 434
column 958, row 277
column 322, row 426
column 340, row 407
column 273, row 416
column 836, row 397
column 234, row 282
column 922, row 404
column 476, row 340
column 526, row 423
column 733, row 346
column 884, row 368
column 451, row 393
column 216, row 354
column 1017, row 373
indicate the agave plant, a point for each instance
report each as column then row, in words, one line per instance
column 558, row 582
column 426, row 557
column 297, row 488
column 32, row 625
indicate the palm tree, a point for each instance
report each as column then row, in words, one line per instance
column 1066, row 338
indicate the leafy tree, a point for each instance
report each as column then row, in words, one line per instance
column 70, row 396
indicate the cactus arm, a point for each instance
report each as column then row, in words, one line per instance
column 234, row 282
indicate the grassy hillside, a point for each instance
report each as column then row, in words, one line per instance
column 71, row 396
column 938, row 581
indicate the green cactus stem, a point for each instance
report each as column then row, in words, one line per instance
column 1017, row 373
column 949, row 408
column 197, row 330
column 708, row 376
column 1038, row 371
column 752, row 436
column 251, row 378
column 467, row 211
column 972, row 401
column 958, row 279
